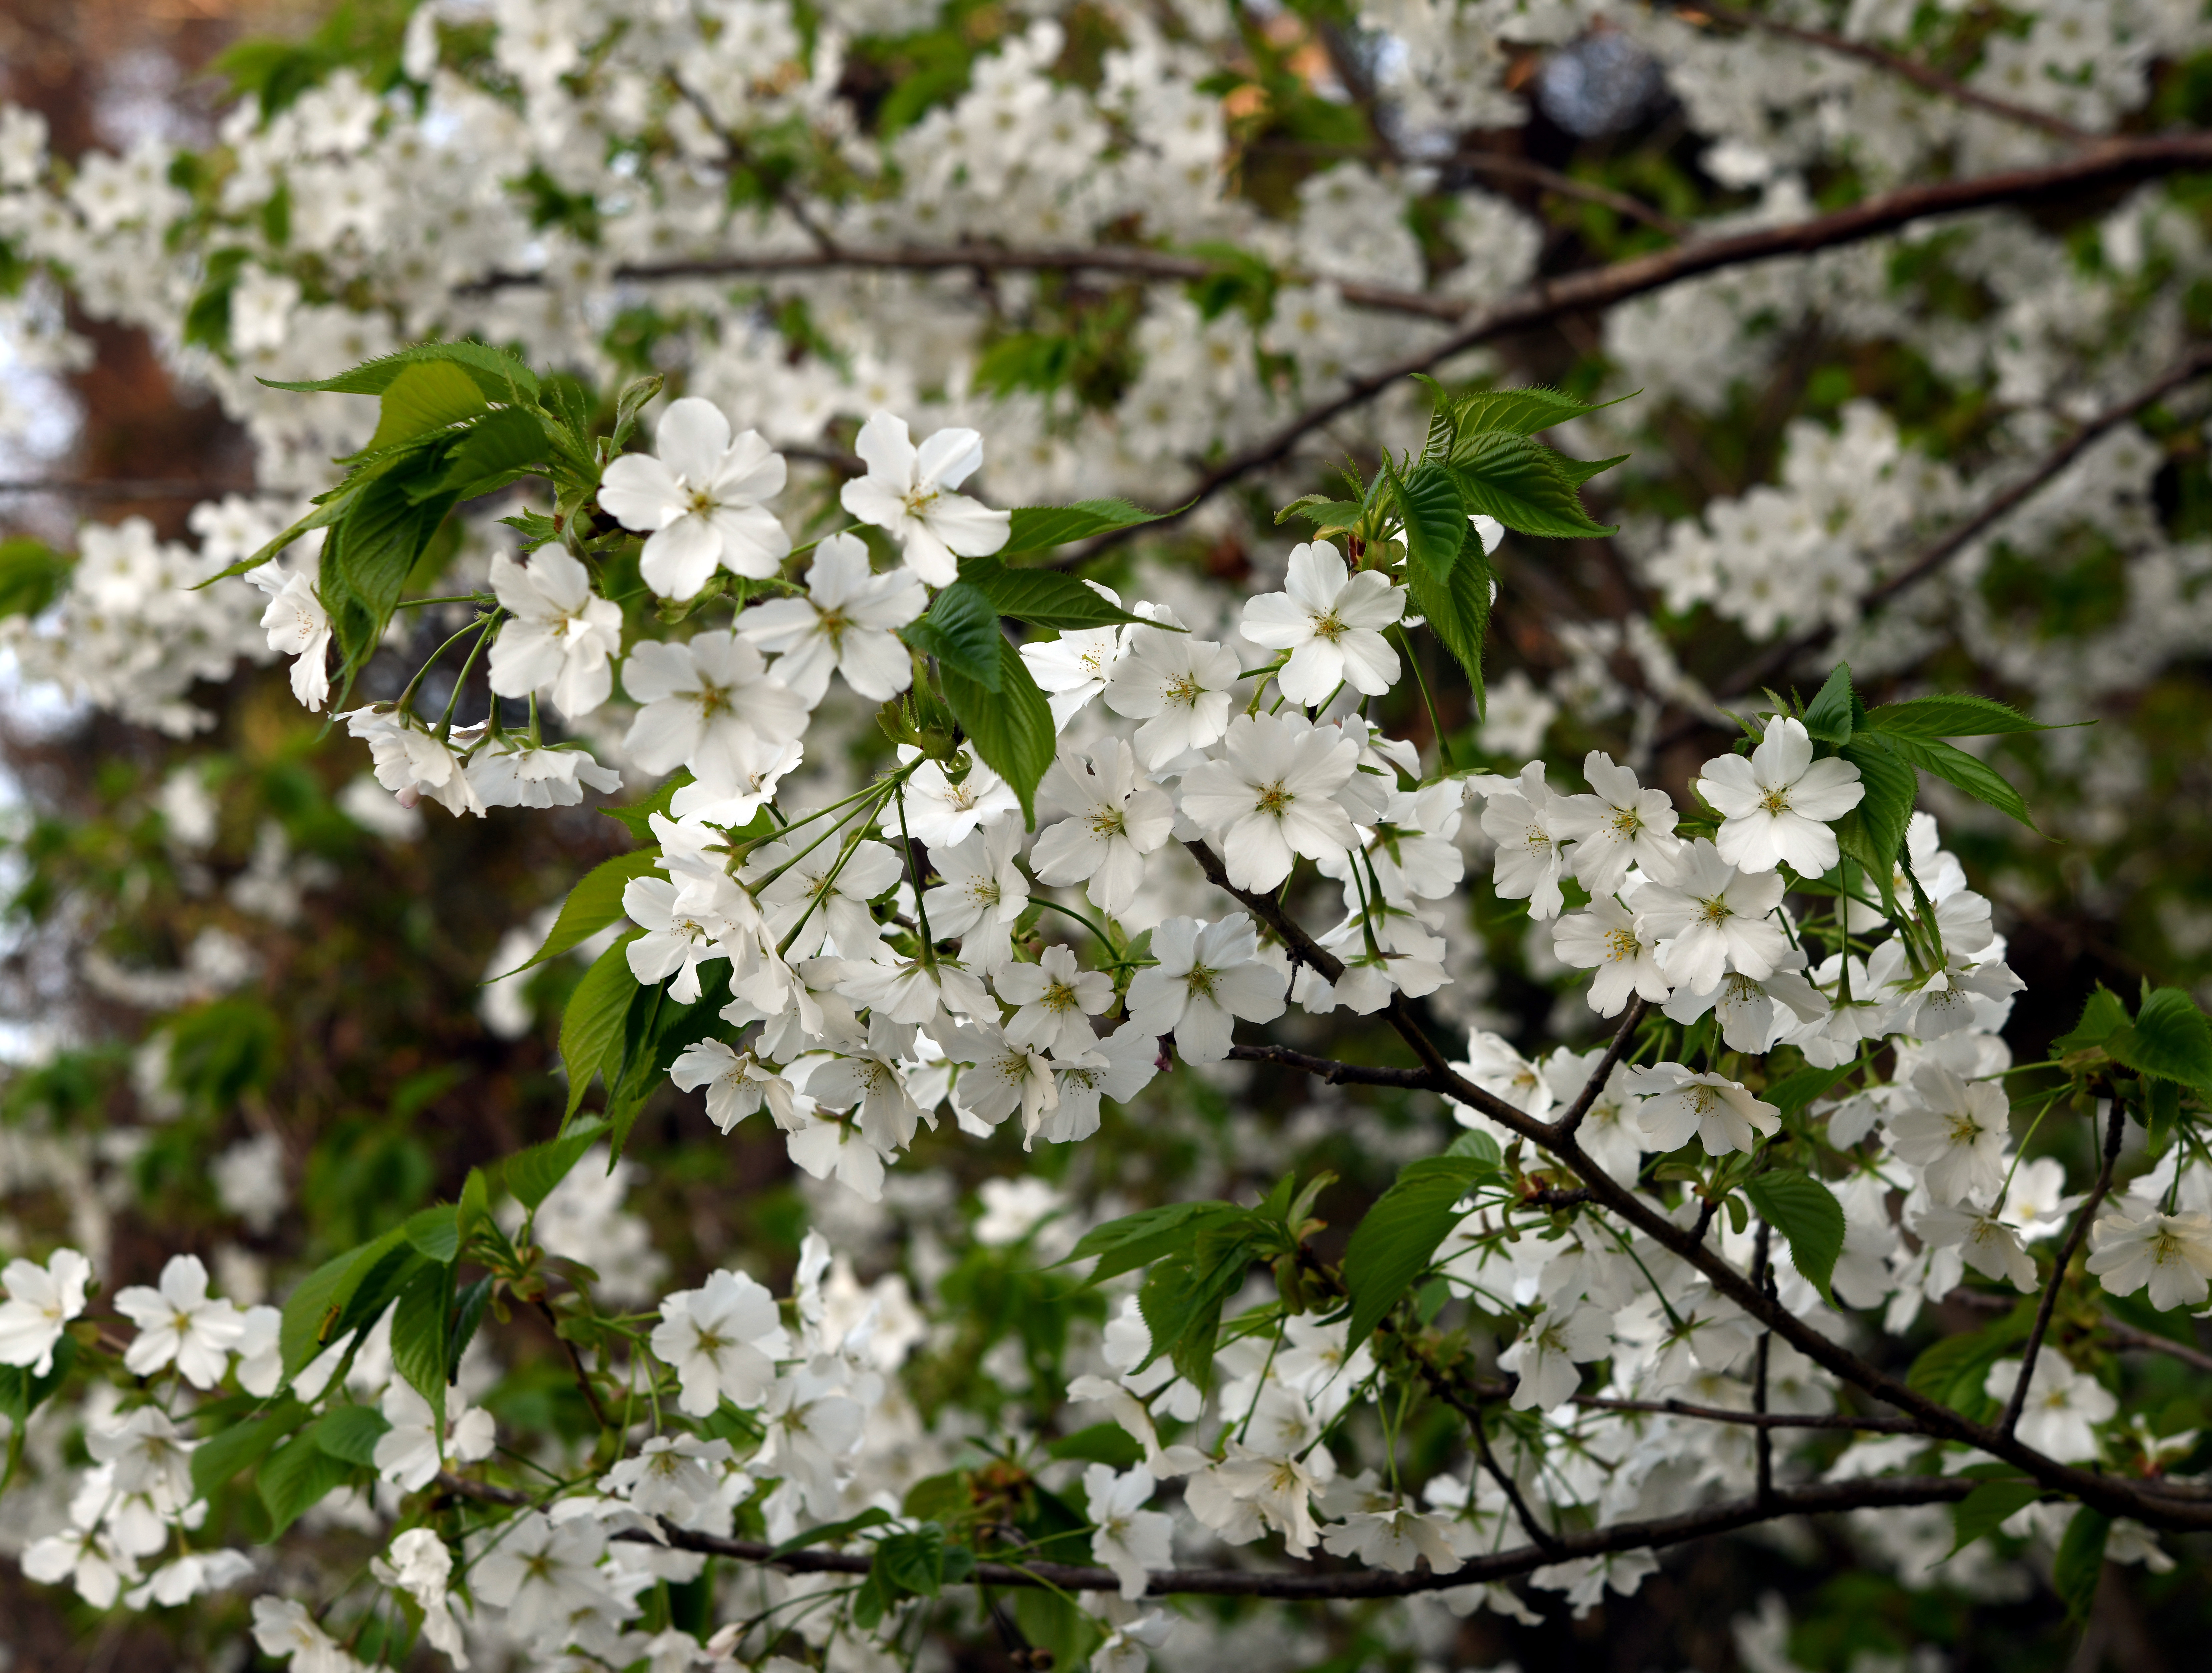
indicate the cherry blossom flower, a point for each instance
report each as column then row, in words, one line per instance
column 1331, row 622
column 506, row 773
column 703, row 499
column 408, row 1454
column 907, row 492
column 1522, row 821
column 1118, row 1068
column 1057, row 998
column 180, row 1323
column 1126, row 1537
column 1708, row 918
column 298, row 627
column 1774, row 807
column 41, row 1301
column 1207, row 976
column 941, row 813
column 561, row 633
column 1983, row 1241
column 1722, row 1113
column 1271, row 796
column 2172, row 1253
column 1116, row 818
column 1072, row 669
column 2064, row 1406
column 542, row 1572
column 286, row 1632
column 411, row 760
column 1605, row 937
column 1178, row 686
column 420, row 1564
column 847, row 621
column 1619, row 824
column 722, row 1340
column 682, row 931
column 1546, row 1354
column 982, row 893
column 1956, row 1134
column 821, row 892
column 737, row 1083
column 710, row 703
column 823, row 1143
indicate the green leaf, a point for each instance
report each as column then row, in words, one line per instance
column 1181, row 1302
column 1326, row 515
column 911, row 1564
column 653, row 1038
column 1829, row 717
column 2169, row 1039
column 430, row 395
column 1435, row 521
column 1954, row 1369
column 592, row 904
column 33, row 574
column 2102, row 1017
column 1872, row 833
column 637, row 817
column 314, row 1315
column 1954, row 766
column 1793, row 1092
column 1806, row 1212
column 419, row 1331
column 1520, row 411
column 1953, row 714
column 1101, row 1443
column 1011, row 728
column 2081, row 1561
column 1481, row 1146
column 531, row 1174
column 830, row 1533
column 1394, row 1243
column 591, row 1025
column 221, row 1456
column 1036, row 528
column 1457, row 608
column 435, row 1233
column 372, row 548
column 1139, row 1240
column 1520, row 483
column 350, row 1432
column 1980, row 1512
column 295, row 1478
column 499, row 447
column 1041, row 596
column 498, row 374
column 962, row 632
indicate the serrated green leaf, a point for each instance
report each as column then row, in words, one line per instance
column 419, row 1334
column 498, row 374
column 530, row 1175
column 2103, row 1015
column 1326, row 515
column 1043, row 598
column 1400, row 1235
column 434, row 1233
column 1806, row 1212
column 1036, row 528
column 1435, row 526
column 295, row 1478
column 1517, row 411
column 2079, row 1564
column 498, row 447
column 961, row 631
column 911, row 1564
column 2169, row 1039
column 1458, row 610
column 1954, row 1369
column 222, row 1456
column 1829, row 717
column 592, row 905
column 1957, row 768
column 1981, row 1510
column 1139, row 1240
column 1519, row 482
column 652, row 1043
column 428, row 396
column 370, row 551
column 316, row 1313
column 1478, row 1147
column 349, row 1434
column 1872, row 833
column 1951, row 715
column 591, row 1024
column 1011, row 728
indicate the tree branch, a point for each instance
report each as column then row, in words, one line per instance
column 2143, row 1342
column 1564, row 1127
column 1844, row 1420
column 1912, row 69
column 2115, row 1127
column 1328, row 1069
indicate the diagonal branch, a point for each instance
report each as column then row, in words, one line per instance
column 1565, row 1126
column 1329, row 1069
column 2115, row 1127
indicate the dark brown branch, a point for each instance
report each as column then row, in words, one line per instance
column 1912, row 69
column 1537, row 1532
column 740, row 153
column 2106, row 164
column 1844, row 1420
column 1818, row 1498
column 2144, row 1341
column 1765, row 1280
column 1566, row 185
column 1328, row 1069
column 576, row 1363
column 1564, row 1127
column 2115, row 1127
column 1775, row 660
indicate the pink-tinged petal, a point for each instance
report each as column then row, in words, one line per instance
column 872, row 500
column 754, row 542
column 692, row 439
column 968, row 527
column 680, row 557
column 949, row 458
column 657, row 669
column 1316, row 576
column 639, row 492
column 888, row 449
column 1828, row 790
column 1784, row 753
column 750, row 470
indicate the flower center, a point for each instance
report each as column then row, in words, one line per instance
column 1715, row 910
column 1200, row 979
column 1328, row 626
column 1776, row 801
column 1272, row 800
column 1620, row 944
column 1626, row 821
column 1108, row 822
column 919, row 501
column 700, row 503
column 1183, row 690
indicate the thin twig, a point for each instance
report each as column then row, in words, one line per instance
column 1329, row 1069
column 1764, row 1441
column 1846, row 1420
column 1566, row 185
column 1564, row 1127
column 576, row 1360
column 2144, row 1341
column 2116, row 1126
column 740, row 153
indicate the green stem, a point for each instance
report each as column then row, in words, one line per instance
column 1436, row 721
column 407, row 697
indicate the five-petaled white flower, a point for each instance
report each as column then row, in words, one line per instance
column 737, row 1083
column 1056, row 1000
column 2059, row 1417
column 1208, row 975
column 1331, row 622
column 1956, row 1136
column 710, row 703
column 1709, row 918
column 408, row 1454
column 1774, row 807
column 847, row 621
column 722, row 1339
column 2172, row 1253
column 702, row 500
column 41, row 1301
column 298, row 627
column 1617, row 825
column 180, row 1322
column 1546, row 1354
column 1605, row 939
column 1716, row 1110
column 1117, row 816
column 1271, row 795
column 982, row 893
column 908, row 493
column 1522, row 819
column 1126, row 1537
column 1178, row 686
column 562, row 634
